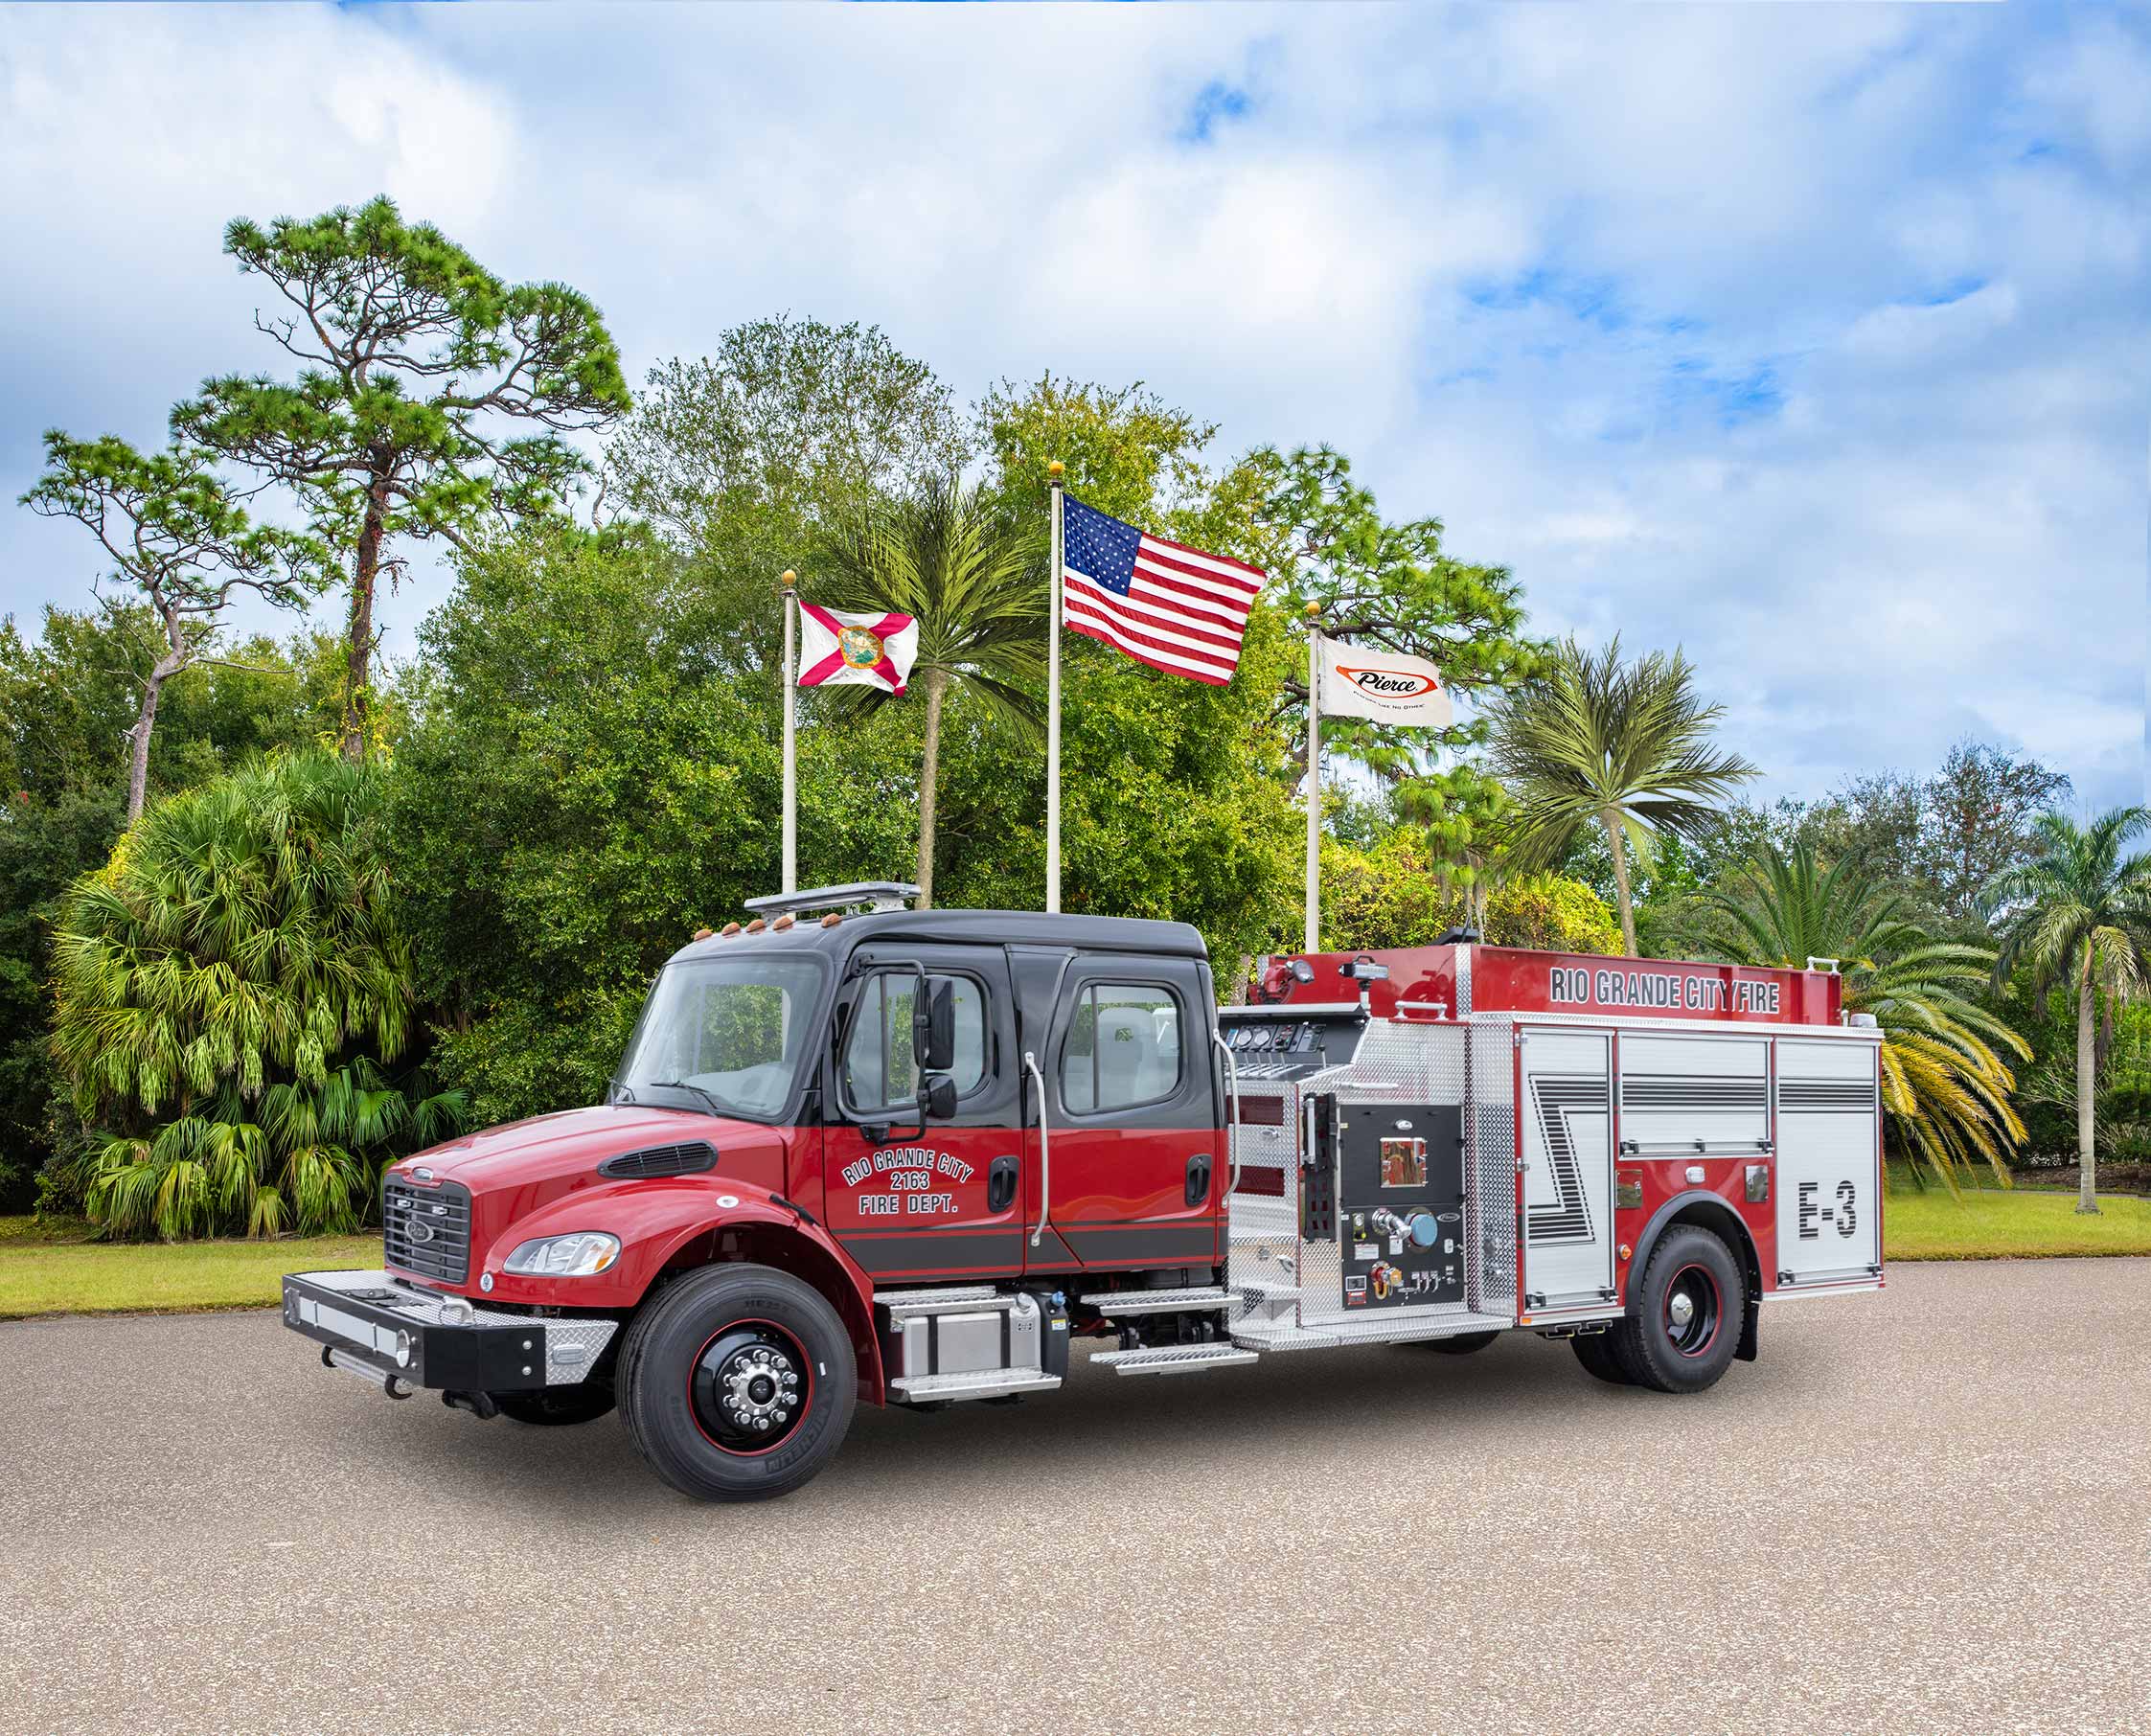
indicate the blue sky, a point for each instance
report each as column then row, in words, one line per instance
column 1814, row 340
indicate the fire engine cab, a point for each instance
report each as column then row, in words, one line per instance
column 856, row 1150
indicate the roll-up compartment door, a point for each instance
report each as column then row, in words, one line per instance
column 1829, row 1167
column 1686, row 1093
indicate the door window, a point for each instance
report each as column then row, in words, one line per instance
column 880, row 1067
column 1124, row 1048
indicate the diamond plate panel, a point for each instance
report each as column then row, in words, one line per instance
column 1491, row 1115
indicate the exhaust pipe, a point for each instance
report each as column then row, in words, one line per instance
column 394, row 1388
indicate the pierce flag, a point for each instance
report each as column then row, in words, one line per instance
column 840, row 646
column 1386, row 686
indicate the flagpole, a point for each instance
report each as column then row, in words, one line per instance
column 1314, row 780
column 789, row 581
column 1053, row 706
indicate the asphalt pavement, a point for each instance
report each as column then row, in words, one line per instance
column 1925, row 1511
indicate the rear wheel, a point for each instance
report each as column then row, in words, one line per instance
column 556, row 1407
column 1685, row 1319
column 736, row 1384
column 1594, row 1350
column 1463, row 1344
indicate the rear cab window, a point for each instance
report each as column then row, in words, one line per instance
column 1125, row 1048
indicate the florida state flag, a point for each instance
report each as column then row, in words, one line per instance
column 836, row 646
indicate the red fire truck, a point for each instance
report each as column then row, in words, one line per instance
column 856, row 1150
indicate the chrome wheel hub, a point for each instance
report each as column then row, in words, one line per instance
column 760, row 1387
column 750, row 1386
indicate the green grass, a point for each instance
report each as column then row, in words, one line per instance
column 49, row 1270
column 2017, row 1224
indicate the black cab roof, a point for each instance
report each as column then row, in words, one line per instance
column 974, row 927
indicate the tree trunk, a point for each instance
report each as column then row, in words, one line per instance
column 144, row 723
column 2086, row 1090
column 1619, row 847
column 929, row 770
column 358, row 648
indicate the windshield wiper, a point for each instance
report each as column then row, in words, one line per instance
column 681, row 1085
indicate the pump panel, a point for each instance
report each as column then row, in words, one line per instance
column 1395, row 1173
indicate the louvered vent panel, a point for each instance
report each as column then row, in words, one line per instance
column 660, row 1160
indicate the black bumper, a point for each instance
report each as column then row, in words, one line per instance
column 424, row 1340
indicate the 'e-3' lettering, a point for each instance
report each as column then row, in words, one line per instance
column 1812, row 1215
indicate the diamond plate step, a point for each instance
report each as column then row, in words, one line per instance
column 983, row 1384
column 1398, row 1327
column 1119, row 1302
column 1174, row 1358
column 960, row 1298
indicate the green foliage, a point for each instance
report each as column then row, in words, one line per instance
column 67, row 701
column 789, row 430
column 584, row 785
column 226, row 989
column 2078, row 916
column 415, row 365
column 180, row 542
column 977, row 589
column 1127, row 452
column 1399, row 891
column 1370, row 581
column 1175, row 794
column 1944, row 1087
column 1623, row 746
column 1941, row 838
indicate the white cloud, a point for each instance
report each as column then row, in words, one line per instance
column 1814, row 340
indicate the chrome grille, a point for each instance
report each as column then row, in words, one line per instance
column 427, row 1230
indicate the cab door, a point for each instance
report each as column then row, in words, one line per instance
column 943, row 1199
column 1133, row 1173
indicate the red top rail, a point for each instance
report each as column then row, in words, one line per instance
column 1512, row 979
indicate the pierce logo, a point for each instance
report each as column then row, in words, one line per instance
column 1390, row 683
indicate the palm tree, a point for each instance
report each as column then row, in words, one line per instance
column 226, row 989
column 980, row 599
column 1623, row 746
column 2079, row 914
column 1944, row 1087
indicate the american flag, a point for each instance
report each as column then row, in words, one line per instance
column 1160, row 602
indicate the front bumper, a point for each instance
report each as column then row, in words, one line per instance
column 424, row 1338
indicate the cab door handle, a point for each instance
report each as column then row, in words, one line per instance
column 1000, row 1184
column 1198, row 1179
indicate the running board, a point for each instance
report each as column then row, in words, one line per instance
column 981, row 1383
column 1174, row 1358
column 1115, row 1304
column 919, row 1304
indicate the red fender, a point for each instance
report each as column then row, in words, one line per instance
column 690, row 1220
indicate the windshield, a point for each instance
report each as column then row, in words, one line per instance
column 727, row 1032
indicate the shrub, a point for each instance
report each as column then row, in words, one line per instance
column 229, row 991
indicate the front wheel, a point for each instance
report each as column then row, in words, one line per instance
column 736, row 1384
column 1684, row 1320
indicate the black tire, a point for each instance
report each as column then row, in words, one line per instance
column 1463, row 1344
column 556, row 1407
column 1594, row 1350
column 736, row 1384
column 1684, row 1317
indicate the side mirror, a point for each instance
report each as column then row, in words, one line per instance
column 937, row 1100
column 933, row 1027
